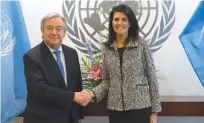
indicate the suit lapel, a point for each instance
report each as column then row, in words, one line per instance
column 51, row 65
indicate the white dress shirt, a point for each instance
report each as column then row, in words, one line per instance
column 62, row 59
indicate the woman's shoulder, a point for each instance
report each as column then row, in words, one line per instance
column 141, row 41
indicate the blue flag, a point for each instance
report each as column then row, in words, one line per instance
column 14, row 43
column 192, row 39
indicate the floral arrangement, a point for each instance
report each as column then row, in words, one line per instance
column 91, row 68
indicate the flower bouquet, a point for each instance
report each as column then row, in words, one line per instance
column 91, row 68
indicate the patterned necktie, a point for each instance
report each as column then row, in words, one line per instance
column 59, row 62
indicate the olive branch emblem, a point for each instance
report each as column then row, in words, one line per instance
column 160, row 35
column 7, row 44
column 74, row 32
column 164, row 30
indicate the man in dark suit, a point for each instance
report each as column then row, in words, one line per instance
column 53, row 77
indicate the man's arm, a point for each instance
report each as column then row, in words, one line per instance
column 36, row 85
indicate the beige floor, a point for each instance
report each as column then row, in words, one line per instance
column 162, row 119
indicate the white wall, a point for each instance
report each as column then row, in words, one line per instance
column 179, row 81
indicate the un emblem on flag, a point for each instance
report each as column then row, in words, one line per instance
column 89, row 20
column 7, row 40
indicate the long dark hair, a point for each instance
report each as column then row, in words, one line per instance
column 133, row 31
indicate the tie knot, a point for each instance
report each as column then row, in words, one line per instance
column 57, row 53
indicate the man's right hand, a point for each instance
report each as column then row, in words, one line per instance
column 81, row 98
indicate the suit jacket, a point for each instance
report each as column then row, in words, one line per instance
column 132, row 85
column 49, row 100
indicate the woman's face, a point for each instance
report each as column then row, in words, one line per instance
column 120, row 24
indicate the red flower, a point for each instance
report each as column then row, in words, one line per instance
column 96, row 73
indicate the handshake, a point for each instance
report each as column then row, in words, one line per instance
column 84, row 97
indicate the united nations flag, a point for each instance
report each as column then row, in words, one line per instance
column 192, row 39
column 14, row 43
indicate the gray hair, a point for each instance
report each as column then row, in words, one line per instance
column 52, row 15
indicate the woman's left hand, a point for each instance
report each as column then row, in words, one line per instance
column 153, row 118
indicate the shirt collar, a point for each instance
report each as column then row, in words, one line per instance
column 53, row 50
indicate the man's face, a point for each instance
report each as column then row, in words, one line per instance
column 53, row 32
